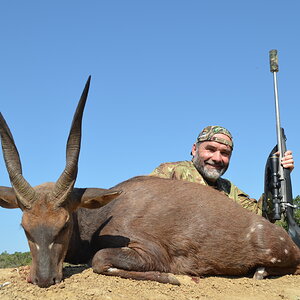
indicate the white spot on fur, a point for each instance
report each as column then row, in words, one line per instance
column 281, row 238
column 273, row 260
column 260, row 226
column 252, row 229
column 50, row 246
column 268, row 251
column 286, row 251
column 37, row 247
column 278, row 260
column 248, row 236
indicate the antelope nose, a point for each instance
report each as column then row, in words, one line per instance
column 44, row 282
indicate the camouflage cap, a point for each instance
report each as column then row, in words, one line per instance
column 207, row 134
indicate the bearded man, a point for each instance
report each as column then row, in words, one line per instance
column 211, row 155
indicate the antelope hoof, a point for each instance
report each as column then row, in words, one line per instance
column 260, row 273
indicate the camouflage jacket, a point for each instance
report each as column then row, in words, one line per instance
column 185, row 170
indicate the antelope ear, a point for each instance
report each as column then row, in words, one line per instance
column 94, row 197
column 8, row 197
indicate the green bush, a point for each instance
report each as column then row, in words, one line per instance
column 14, row 260
column 297, row 211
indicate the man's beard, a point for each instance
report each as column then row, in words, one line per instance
column 210, row 174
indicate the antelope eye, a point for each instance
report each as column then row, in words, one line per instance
column 64, row 228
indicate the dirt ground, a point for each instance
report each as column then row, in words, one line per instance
column 81, row 283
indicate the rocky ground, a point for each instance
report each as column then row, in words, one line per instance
column 81, row 283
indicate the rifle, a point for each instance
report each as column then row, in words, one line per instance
column 278, row 186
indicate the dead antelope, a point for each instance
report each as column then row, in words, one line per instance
column 47, row 209
column 153, row 228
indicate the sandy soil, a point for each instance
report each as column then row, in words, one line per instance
column 82, row 284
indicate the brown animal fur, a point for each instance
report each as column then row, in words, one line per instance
column 183, row 228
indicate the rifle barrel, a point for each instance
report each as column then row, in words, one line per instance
column 274, row 70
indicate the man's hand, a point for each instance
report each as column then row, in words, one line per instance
column 287, row 160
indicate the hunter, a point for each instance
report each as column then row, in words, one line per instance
column 211, row 155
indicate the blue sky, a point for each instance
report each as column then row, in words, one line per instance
column 161, row 71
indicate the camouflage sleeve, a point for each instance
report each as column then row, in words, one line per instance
column 244, row 199
column 183, row 170
column 163, row 171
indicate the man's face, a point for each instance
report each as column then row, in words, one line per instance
column 211, row 159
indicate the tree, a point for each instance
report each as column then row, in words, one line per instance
column 297, row 210
column 14, row 260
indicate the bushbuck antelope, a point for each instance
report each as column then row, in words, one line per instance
column 153, row 228
column 47, row 209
